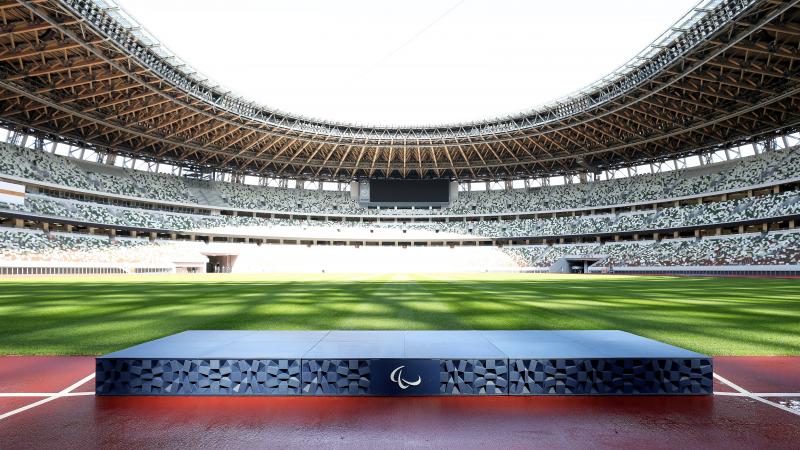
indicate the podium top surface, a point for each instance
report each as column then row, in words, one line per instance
column 398, row 344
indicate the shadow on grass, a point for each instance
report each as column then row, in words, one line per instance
column 716, row 316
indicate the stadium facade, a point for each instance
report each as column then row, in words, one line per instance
column 120, row 158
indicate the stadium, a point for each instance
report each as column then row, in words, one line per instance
column 654, row 213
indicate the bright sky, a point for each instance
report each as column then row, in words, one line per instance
column 410, row 62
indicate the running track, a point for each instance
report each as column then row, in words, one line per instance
column 757, row 405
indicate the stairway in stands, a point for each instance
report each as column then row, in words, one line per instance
column 209, row 197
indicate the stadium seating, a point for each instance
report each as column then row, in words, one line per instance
column 64, row 171
column 760, row 169
column 769, row 249
column 768, row 167
column 549, row 224
column 741, row 250
column 746, row 209
column 32, row 245
column 753, row 249
column 288, row 200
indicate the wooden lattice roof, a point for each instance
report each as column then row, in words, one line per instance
column 74, row 70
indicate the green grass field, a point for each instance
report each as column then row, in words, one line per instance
column 89, row 316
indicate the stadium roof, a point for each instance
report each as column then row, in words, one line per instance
column 83, row 71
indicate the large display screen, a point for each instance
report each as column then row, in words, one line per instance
column 409, row 191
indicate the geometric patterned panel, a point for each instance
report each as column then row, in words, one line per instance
column 622, row 376
column 336, row 376
column 474, row 377
column 198, row 377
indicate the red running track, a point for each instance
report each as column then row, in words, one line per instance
column 84, row 421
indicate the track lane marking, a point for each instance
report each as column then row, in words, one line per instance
column 759, row 394
column 63, row 393
column 42, row 394
column 68, row 392
column 756, row 397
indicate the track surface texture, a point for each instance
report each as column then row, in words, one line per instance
column 761, row 411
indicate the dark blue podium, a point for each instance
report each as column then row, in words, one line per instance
column 398, row 363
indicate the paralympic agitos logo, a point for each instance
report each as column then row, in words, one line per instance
column 397, row 377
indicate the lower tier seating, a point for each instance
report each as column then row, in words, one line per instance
column 733, row 211
column 769, row 249
column 739, row 250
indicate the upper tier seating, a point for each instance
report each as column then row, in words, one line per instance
column 769, row 167
column 278, row 199
column 59, row 170
column 760, row 169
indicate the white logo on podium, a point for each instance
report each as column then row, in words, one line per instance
column 397, row 377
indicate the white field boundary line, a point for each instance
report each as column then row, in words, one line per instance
column 63, row 393
column 755, row 397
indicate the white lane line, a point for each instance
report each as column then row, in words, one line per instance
column 84, row 394
column 63, row 393
column 43, row 394
column 759, row 394
column 755, row 397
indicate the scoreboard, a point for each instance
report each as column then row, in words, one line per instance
column 409, row 191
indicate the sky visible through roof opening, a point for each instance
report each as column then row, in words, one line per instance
column 416, row 62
